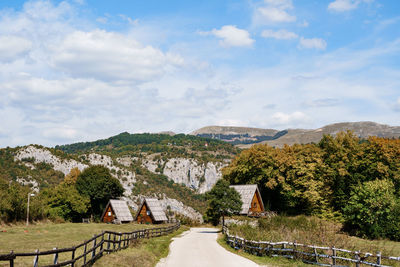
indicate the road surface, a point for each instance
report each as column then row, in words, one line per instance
column 198, row 247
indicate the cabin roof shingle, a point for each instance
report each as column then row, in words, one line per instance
column 246, row 193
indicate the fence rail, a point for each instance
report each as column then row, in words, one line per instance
column 90, row 250
column 319, row 255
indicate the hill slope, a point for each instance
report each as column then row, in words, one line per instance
column 174, row 168
column 244, row 137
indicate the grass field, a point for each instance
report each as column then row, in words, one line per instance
column 145, row 253
column 46, row 236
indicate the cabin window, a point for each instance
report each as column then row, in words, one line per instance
column 109, row 213
column 255, row 205
column 148, row 212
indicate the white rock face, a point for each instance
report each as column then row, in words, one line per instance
column 198, row 176
column 126, row 177
column 29, row 181
column 179, row 207
column 175, row 206
column 44, row 155
column 180, row 170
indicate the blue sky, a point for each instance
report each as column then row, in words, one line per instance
column 79, row 70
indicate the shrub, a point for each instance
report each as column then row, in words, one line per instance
column 373, row 211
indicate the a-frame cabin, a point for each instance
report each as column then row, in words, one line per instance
column 151, row 212
column 117, row 210
column 251, row 198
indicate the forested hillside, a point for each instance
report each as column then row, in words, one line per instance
column 176, row 169
column 343, row 177
column 170, row 145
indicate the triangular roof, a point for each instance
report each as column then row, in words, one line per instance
column 120, row 209
column 156, row 211
column 246, row 193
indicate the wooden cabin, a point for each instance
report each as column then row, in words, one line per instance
column 151, row 212
column 116, row 211
column 251, row 198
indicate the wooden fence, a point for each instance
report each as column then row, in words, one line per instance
column 90, row 250
column 319, row 255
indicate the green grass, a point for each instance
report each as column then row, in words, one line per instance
column 46, row 236
column 269, row 261
column 144, row 253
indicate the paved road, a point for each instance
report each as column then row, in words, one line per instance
column 199, row 248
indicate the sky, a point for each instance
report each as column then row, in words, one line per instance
column 81, row 70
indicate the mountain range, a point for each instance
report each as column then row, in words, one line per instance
column 244, row 137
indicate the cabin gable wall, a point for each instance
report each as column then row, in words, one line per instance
column 144, row 215
column 109, row 215
column 256, row 205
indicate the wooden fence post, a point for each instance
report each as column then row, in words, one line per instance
column 114, row 242
column 108, row 243
column 119, row 241
column 12, row 258
column 357, row 258
column 73, row 258
column 36, row 259
column 316, row 254
column 379, row 258
column 294, row 250
column 55, row 258
column 94, row 247
column 84, row 253
column 333, row 256
column 102, row 243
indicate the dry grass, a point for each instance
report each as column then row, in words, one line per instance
column 144, row 253
column 263, row 261
column 311, row 231
column 46, row 236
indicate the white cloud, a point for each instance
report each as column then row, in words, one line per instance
column 280, row 35
column 12, row 47
column 232, row 36
column 78, row 83
column 110, row 56
column 345, row 5
column 274, row 11
column 312, row 43
column 295, row 118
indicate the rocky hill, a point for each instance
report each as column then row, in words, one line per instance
column 177, row 169
column 244, row 137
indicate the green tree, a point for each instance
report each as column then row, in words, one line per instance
column 72, row 176
column 97, row 183
column 222, row 201
column 64, row 201
column 373, row 210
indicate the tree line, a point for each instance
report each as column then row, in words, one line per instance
column 79, row 195
column 342, row 177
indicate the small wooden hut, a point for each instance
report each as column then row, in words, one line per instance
column 116, row 211
column 151, row 212
column 251, row 198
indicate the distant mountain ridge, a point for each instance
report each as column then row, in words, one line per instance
column 244, row 136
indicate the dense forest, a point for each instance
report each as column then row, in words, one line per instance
column 344, row 178
column 172, row 145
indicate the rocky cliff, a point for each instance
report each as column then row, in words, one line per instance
column 119, row 170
